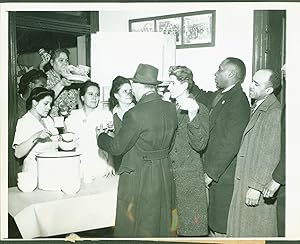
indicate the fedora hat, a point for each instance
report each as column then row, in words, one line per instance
column 146, row 74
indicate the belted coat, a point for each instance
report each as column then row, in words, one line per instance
column 144, row 201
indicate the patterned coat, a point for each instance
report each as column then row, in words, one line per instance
column 191, row 201
column 145, row 183
column 258, row 157
column 228, row 120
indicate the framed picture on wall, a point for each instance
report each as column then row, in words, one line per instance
column 142, row 26
column 193, row 29
column 199, row 29
column 170, row 26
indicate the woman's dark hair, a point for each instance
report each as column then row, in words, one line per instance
column 85, row 86
column 38, row 94
column 54, row 54
column 27, row 78
column 116, row 84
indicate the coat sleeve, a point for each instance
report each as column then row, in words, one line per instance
column 225, row 145
column 279, row 172
column 268, row 153
column 124, row 140
column 201, row 96
column 198, row 130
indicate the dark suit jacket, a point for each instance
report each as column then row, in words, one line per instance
column 144, row 193
column 228, row 120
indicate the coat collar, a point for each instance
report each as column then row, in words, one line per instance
column 263, row 107
column 266, row 103
column 148, row 98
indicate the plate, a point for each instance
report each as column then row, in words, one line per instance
column 77, row 78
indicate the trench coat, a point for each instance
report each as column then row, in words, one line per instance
column 186, row 157
column 258, row 157
column 228, row 120
column 145, row 184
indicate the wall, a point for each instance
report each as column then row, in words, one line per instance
column 234, row 35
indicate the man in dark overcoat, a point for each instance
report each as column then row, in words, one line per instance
column 229, row 115
column 144, row 201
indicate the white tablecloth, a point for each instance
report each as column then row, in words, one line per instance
column 46, row 213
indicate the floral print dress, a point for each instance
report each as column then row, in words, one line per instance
column 66, row 101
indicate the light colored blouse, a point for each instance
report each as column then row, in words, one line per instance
column 94, row 160
column 27, row 126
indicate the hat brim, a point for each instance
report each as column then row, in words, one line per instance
column 164, row 83
column 155, row 83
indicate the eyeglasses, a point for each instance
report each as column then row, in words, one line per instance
column 129, row 91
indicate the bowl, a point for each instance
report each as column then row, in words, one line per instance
column 67, row 137
column 66, row 146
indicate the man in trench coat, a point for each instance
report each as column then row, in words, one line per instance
column 250, row 214
column 229, row 115
column 144, row 194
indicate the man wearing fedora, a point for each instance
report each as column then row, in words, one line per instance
column 144, row 194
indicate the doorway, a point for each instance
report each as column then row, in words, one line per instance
column 269, row 49
column 30, row 31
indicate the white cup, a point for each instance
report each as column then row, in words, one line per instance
column 27, row 181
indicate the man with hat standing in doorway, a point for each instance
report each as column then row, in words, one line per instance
column 145, row 139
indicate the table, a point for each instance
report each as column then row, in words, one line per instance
column 47, row 213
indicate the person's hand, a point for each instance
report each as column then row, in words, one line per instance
column 45, row 59
column 190, row 105
column 65, row 82
column 43, row 134
column 99, row 130
column 252, row 197
column 207, row 180
column 110, row 171
column 270, row 189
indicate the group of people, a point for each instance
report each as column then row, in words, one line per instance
column 200, row 164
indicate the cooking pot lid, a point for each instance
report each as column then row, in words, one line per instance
column 60, row 154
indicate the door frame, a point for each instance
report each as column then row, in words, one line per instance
column 17, row 20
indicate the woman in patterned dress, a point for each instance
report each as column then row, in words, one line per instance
column 66, row 95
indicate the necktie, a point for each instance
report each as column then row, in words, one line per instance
column 253, row 107
column 216, row 99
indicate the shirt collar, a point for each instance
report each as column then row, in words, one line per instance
column 258, row 102
column 228, row 88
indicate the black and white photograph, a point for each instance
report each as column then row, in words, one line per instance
column 149, row 120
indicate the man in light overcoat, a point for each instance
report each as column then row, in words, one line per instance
column 250, row 214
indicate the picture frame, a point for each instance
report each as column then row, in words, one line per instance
column 144, row 25
column 171, row 26
column 191, row 30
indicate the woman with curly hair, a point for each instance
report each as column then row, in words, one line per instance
column 186, row 155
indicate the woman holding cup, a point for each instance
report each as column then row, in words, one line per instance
column 83, row 123
column 34, row 132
